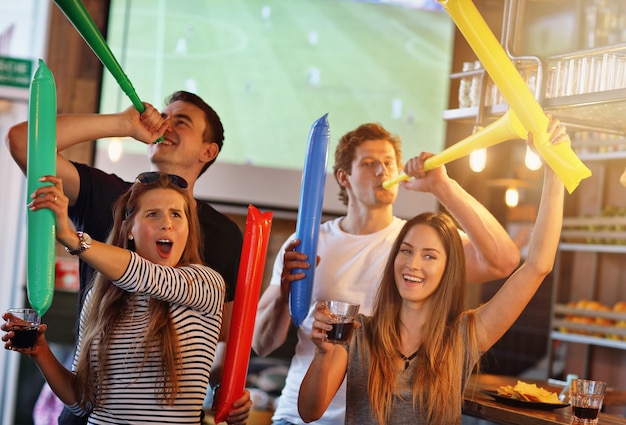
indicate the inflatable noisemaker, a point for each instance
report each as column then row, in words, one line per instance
column 42, row 160
column 560, row 157
column 505, row 128
column 249, row 278
column 309, row 217
column 76, row 13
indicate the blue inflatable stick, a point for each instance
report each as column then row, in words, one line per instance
column 310, row 216
column 42, row 160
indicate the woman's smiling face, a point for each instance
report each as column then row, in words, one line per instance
column 420, row 263
column 160, row 227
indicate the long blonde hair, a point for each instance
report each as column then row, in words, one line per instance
column 448, row 349
column 111, row 302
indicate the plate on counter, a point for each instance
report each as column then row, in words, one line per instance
column 522, row 403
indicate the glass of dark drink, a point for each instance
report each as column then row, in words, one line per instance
column 586, row 400
column 344, row 314
column 24, row 322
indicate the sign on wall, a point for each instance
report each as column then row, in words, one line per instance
column 15, row 72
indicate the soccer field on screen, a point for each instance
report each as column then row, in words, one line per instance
column 271, row 68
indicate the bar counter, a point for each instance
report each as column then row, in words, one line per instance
column 480, row 405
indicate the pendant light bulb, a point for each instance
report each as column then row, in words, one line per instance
column 511, row 197
column 478, row 160
column 115, row 150
column 532, row 160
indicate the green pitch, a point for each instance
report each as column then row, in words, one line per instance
column 271, row 68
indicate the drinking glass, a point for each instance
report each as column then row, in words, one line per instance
column 586, row 399
column 344, row 314
column 24, row 322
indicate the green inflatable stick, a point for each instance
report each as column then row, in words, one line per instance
column 76, row 13
column 41, row 162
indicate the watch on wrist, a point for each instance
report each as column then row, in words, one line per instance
column 83, row 245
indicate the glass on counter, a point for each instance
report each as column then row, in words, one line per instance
column 586, row 400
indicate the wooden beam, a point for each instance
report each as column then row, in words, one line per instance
column 77, row 70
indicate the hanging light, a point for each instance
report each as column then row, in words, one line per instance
column 511, row 197
column 532, row 160
column 478, row 160
column 115, row 149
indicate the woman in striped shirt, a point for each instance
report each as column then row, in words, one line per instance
column 150, row 323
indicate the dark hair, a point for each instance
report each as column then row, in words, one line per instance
column 214, row 131
column 344, row 154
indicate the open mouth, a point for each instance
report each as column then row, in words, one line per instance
column 164, row 247
column 167, row 142
column 413, row 279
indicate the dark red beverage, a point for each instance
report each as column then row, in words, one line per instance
column 585, row 412
column 24, row 337
column 341, row 332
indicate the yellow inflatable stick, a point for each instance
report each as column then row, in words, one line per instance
column 561, row 158
column 505, row 128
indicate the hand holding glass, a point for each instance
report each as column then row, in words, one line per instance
column 24, row 322
column 343, row 314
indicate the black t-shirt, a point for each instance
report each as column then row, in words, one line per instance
column 93, row 213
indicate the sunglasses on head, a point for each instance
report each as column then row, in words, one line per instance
column 154, row 176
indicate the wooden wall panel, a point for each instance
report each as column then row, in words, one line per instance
column 77, row 70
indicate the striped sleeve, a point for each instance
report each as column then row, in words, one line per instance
column 196, row 286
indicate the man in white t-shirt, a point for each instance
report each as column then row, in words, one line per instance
column 352, row 250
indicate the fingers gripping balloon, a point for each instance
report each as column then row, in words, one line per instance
column 247, row 293
column 560, row 157
column 310, row 216
column 41, row 161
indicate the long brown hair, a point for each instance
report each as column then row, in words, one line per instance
column 448, row 349
column 110, row 304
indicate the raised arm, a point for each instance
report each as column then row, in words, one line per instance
column 496, row 316
column 273, row 320
column 110, row 260
column 79, row 128
column 489, row 251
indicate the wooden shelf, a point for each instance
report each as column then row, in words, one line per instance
column 586, row 339
column 563, row 309
column 602, row 156
column 587, row 247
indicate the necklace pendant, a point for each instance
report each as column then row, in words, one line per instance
column 407, row 360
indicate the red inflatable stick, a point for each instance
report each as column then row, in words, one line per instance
column 249, row 278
